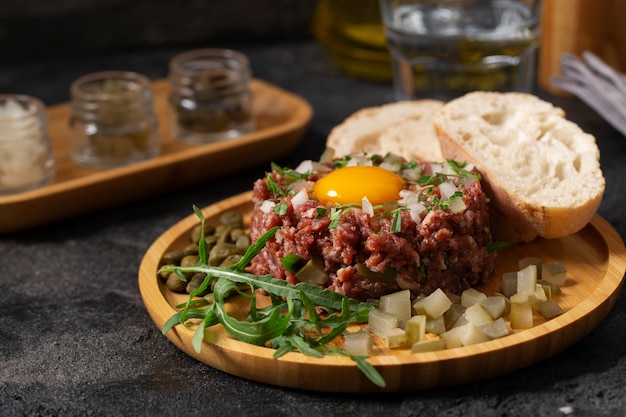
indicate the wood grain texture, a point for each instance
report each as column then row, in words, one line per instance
column 595, row 259
column 281, row 120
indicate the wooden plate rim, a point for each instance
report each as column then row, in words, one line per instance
column 602, row 298
column 283, row 116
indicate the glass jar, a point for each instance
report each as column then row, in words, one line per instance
column 210, row 97
column 26, row 156
column 113, row 122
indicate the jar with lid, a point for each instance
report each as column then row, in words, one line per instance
column 26, row 155
column 113, row 121
column 210, row 98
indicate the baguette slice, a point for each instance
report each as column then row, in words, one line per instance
column 404, row 128
column 541, row 171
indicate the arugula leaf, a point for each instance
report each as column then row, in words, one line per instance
column 290, row 323
column 292, row 262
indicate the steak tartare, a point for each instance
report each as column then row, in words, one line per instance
column 338, row 227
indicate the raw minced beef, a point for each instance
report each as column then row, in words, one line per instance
column 444, row 248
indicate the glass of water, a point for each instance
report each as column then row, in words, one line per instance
column 443, row 49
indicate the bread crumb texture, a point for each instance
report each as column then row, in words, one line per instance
column 527, row 144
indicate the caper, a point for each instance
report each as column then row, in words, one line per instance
column 230, row 260
column 236, row 233
column 211, row 241
column 196, row 232
column 232, row 218
column 189, row 260
column 226, row 243
column 194, row 283
column 220, row 252
column 172, row 258
column 175, row 284
column 165, row 274
column 243, row 243
column 224, row 234
column 191, row 249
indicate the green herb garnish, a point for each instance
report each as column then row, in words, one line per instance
column 292, row 263
column 273, row 186
column 495, row 246
column 290, row 323
column 289, row 174
column 280, row 208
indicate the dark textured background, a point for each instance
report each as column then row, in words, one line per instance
column 75, row 338
column 66, row 27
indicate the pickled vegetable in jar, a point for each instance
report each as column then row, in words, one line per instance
column 210, row 97
column 113, row 122
column 26, row 156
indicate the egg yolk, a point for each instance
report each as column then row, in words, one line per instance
column 350, row 184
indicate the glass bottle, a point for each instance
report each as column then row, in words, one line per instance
column 352, row 33
column 210, row 97
column 113, row 121
column 26, row 155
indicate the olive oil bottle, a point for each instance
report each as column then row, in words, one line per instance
column 351, row 32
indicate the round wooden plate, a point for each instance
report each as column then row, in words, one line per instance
column 595, row 259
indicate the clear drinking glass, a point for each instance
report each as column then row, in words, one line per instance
column 210, row 98
column 443, row 49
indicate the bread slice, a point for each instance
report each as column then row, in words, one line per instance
column 404, row 128
column 541, row 171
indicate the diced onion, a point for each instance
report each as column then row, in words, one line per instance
column 457, row 205
column 436, row 167
column 267, row 206
column 469, row 180
column 390, row 166
column 308, row 166
column 366, row 206
column 408, row 197
column 300, row 198
column 305, row 166
column 416, row 210
column 447, row 190
column 298, row 185
column 360, row 160
column 411, row 174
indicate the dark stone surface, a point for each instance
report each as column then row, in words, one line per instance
column 68, row 27
column 76, row 340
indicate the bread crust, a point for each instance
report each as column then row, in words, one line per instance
column 403, row 128
column 516, row 214
column 517, row 129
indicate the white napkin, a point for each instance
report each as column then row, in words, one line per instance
column 597, row 84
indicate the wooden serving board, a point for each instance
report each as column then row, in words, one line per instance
column 281, row 120
column 595, row 259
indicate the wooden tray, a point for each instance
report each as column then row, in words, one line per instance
column 595, row 258
column 281, row 120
